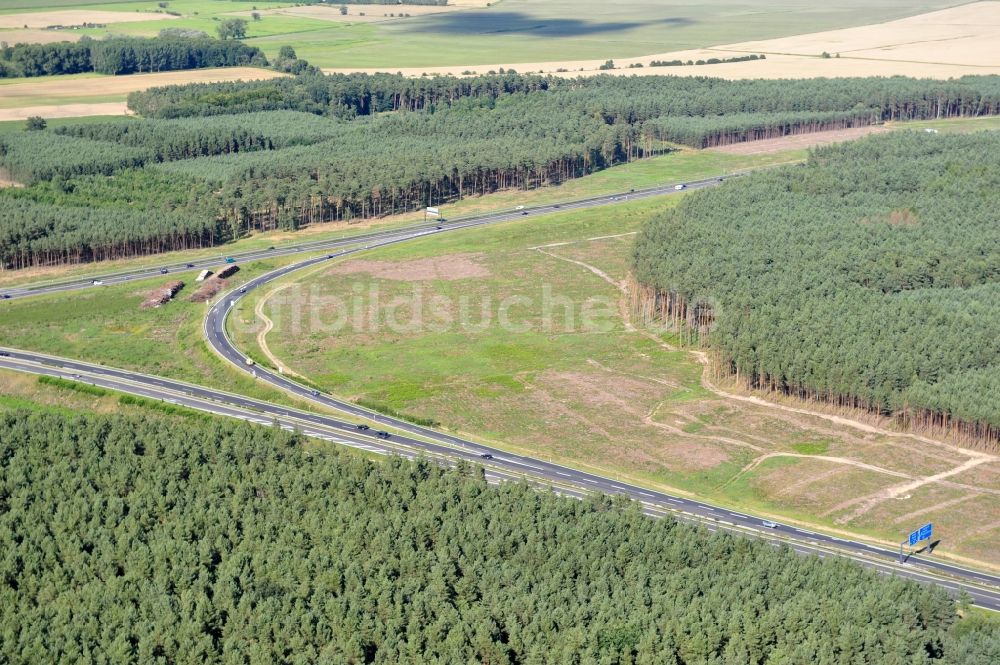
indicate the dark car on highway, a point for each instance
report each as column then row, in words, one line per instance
column 382, row 435
column 363, row 427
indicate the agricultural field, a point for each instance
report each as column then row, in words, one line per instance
column 944, row 43
column 522, row 33
column 518, row 335
column 79, row 95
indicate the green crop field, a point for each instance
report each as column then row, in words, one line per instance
column 508, row 31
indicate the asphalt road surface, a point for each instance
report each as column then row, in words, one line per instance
column 404, row 438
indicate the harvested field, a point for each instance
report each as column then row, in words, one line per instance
column 967, row 35
column 75, row 17
column 162, row 295
column 12, row 93
column 64, row 111
column 798, row 141
column 457, row 266
column 38, row 36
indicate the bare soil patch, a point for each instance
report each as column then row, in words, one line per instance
column 798, row 141
column 162, row 295
column 209, row 289
column 447, row 268
column 76, row 17
column 6, row 181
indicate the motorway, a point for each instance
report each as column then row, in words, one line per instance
column 379, row 237
column 412, row 440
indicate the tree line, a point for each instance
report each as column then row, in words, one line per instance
column 869, row 279
column 125, row 55
column 894, row 98
column 311, row 149
column 222, row 542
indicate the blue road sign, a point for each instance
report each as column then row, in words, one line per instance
column 923, row 533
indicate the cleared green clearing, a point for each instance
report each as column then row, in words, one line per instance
column 603, row 399
column 491, row 362
column 951, row 125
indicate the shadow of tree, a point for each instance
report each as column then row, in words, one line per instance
column 488, row 22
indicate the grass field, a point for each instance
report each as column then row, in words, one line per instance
column 106, row 325
column 600, row 395
column 510, row 31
